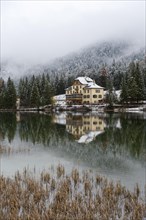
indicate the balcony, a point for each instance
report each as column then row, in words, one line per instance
column 74, row 97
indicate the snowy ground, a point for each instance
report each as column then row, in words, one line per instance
column 60, row 101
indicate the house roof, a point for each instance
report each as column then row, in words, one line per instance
column 84, row 80
column 93, row 85
column 88, row 82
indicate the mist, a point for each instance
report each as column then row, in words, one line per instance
column 36, row 32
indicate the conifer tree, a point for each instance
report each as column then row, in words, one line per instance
column 2, row 95
column 10, row 97
column 140, row 83
column 35, row 96
column 124, row 89
column 47, row 93
column 111, row 96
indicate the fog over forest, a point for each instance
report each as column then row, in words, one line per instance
column 37, row 32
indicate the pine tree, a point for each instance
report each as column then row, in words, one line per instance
column 111, row 96
column 140, row 83
column 10, row 97
column 2, row 95
column 61, row 85
column 132, row 89
column 124, row 89
column 24, row 92
column 42, row 90
column 47, row 93
column 35, row 96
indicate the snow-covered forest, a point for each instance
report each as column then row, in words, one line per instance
column 110, row 64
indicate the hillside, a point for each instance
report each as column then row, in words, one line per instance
column 88, row 61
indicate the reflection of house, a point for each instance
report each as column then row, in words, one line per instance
column 60, row 118
column 84, row 90
column 84, row 127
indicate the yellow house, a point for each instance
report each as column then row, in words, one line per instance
column 84, row 90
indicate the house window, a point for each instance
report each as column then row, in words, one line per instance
column 94, row 122
column 88, row 96
column 94, row 96
column 88, row 90
column 97, row 91
column 84, row 96
column 100, row 96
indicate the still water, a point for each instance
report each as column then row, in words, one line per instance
column 113, row 145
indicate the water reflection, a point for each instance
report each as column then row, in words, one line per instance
column 112, row 144
column 85, row 128
column 8, row 126
column 122, row 134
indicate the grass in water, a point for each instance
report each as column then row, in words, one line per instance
column 58, row 196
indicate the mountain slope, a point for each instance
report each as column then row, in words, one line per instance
column 88, row 61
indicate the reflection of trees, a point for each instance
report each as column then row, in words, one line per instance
column 35, row 128
column 130, row 138
column 39, row 128
column 7, row 125
column 133, row 135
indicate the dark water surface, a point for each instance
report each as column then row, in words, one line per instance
column 113, row 145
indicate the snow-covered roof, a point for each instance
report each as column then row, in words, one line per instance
column 59, row 97
column 84, row 80
column 93, row 85
column 88, row 82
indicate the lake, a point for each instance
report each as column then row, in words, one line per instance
column 113, row 145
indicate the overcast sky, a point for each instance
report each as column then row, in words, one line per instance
column 39, row 31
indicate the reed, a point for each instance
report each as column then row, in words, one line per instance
column 59, row 196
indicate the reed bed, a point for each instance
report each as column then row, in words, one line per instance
column 59, row 196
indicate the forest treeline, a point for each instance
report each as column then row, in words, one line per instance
column 35, row 91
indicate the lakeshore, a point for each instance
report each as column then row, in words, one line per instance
column 83, row 108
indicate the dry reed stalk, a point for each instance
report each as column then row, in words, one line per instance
column 72, row 197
